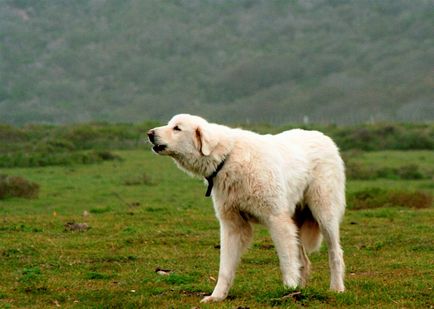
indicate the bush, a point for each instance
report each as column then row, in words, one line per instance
column 356, row 170
column 16, row 186
column 376, row 197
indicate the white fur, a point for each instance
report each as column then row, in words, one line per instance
column 262, row 180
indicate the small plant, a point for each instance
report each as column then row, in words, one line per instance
column 17, row 186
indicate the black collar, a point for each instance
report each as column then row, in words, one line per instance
column 210, row 178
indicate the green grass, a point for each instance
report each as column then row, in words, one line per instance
column 169, row 224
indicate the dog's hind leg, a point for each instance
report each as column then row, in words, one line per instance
column 284, row 234
column 235, row 236
column 330, row 231
column 327, row 206
column 305, row 266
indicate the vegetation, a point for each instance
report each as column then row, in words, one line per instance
column 151, row 240
column 271, row 61
column 16, row 186
column 377, row 197
column 43, row 145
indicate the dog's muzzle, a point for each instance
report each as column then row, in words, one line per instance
column 157, row 147
column 151, row 136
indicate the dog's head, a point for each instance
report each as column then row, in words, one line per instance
column 184, row 135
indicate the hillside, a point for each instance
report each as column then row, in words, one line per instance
column 259, row 61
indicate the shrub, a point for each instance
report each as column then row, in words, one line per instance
column 16, row 186
column 417, row 199
column 376, row 197
column 356, row 170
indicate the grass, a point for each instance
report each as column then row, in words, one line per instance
column 168, row 223
column 395, row 165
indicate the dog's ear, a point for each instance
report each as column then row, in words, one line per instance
column 205, row 140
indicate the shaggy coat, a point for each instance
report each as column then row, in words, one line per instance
column 292, row 182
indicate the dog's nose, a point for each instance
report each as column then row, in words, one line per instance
column 151, row 135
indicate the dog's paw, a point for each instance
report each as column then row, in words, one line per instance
column 291, row 284
column 211, row 299
column 338, row 288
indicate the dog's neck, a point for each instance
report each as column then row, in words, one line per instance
column 202, row 167
column 211, row 177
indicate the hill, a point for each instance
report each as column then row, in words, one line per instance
column 327, row 61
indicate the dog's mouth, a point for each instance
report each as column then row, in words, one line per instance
column 159, row 148
column 154, row 141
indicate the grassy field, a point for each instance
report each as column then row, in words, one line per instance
column 145, row 214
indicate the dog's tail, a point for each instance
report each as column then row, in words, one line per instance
column 309, row 231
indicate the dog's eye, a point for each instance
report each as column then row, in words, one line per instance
column 176, row 128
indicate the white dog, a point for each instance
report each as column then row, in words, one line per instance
column 292, row 182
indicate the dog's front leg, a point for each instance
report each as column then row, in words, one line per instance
column 235, row 236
